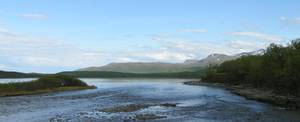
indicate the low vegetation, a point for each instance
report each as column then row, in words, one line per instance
column 44, row 84
column 278, row 69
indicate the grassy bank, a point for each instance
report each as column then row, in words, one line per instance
column 46, row 84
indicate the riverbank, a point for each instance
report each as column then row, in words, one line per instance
column 43, row 91
column 258, row 94
column 47, row 84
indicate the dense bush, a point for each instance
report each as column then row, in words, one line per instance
column 277, row 69
column 51, row 81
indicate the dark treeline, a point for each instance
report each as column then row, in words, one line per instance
column 277, row 69
column 105, row 74
column 7, row 74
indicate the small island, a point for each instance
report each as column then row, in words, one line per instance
column 45, row 84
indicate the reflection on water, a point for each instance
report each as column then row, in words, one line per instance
column 194, row 103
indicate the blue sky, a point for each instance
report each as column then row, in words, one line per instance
column 58, row 35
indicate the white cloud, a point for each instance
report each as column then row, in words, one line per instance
column 167, row 56
column 260, row 36
column 283, row 18
column 192, row 46
column 247, row 46
column 35, row 16
column 157, row 56
column 125, row 59
column 28, row 51
column 40, row 61
column 179, row 49
column 198, row 30
column 2, row 66
column 175, row 50
column 289, row 20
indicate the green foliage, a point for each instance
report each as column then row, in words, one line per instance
column 277, row 69
column 46, row 82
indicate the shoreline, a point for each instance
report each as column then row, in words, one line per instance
column 44, row 91
column 257, row 94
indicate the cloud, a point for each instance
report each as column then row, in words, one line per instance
column 247, row 46
column 156, row 56
column 175, row 49
column 32, row 51
column 40, row 61
column 260, row 36
column 191, row 46
column 2, row 66
column 27, row 51
column 125, row 59
column 168, row 56
column 283, row 18
column 34, row 16
column 199, row 30
column 293, row 21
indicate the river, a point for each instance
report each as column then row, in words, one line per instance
column 193, row 103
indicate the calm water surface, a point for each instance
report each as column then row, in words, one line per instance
column 195, row 103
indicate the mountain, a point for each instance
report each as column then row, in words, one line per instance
column 106, row 74
column 215, row 59
column 220, row 58
column 143, row 67
column 257, row 52
column 160, row 67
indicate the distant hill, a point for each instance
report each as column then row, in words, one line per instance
column 8, row 74
column 159, row 67
column 142, row 67
column 105, row 74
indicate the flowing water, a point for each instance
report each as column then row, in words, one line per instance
column 193, row 103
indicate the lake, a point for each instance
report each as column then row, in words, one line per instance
column 193, row 103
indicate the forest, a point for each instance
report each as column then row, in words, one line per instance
column 278, row 69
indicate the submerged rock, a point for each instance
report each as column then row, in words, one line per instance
column 126, row 108
column 168, row 104
column 135, row 107
column 145, row 117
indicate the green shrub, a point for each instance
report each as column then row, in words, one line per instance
column 46, row 82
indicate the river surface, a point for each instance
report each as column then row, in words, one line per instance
column 194, row 103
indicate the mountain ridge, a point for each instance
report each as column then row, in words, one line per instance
column 163, row 67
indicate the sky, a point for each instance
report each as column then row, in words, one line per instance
column 61, row 35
